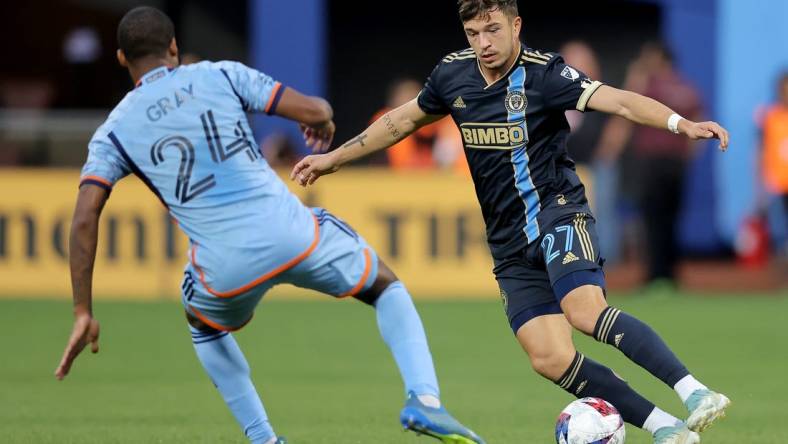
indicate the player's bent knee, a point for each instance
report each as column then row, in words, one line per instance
column 553, row 363
column 582, row 307
column 384, row 278
column 198, row 324
column 548, row 342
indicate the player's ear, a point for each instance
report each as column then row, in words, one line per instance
column 122, row 58
column 517, row 25
column 173, row 49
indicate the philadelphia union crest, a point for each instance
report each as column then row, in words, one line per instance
column 504, row 300
column 515, row 102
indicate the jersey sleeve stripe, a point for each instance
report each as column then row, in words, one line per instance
column 244, row 105
column 458, row 53
column 586, row 96
column 273, row 101
column 96, row 180
column 538, row 55
column 135, row 169
column 280, row 269
column 533, row 60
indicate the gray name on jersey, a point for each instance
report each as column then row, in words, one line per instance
column 169, row 103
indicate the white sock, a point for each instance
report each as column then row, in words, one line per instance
column 659, row 419
column 686, row 386
column 271, row 441
column 430, row 401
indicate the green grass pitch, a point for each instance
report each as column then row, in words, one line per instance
column 326, row 377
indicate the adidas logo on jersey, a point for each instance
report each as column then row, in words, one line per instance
column 570, row 257
column 619, row 337
column 459, row 103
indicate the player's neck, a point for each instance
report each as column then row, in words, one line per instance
column 146, row 65
column 493, row 75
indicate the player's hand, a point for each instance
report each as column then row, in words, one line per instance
column 85, row 331
column 707, row 130
column 319, row 137
column 311, row 167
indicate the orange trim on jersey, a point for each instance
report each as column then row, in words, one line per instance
column 284, row 267
column 97, row 179
column 272, row 97
column 361, row 282
column 214, row 325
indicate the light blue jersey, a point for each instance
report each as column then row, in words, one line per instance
column 184, row 132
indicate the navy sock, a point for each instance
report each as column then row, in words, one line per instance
column 587, row 378
column 639, row 343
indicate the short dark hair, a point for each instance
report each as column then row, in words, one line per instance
column 470, row 9
column 145, row 31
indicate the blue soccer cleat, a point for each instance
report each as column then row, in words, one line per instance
column 705, row 406
column 437, row 423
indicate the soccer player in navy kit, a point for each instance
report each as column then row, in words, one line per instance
column 508, row 101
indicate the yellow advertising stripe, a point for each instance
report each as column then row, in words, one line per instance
column 435, row 240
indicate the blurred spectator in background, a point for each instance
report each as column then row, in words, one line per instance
column 775, row 162
column 601, row 177
column 586, row 128
column 414, row 152
column 279, row 151
column 433, row 146
column 82, row 51
column 661, row 157
column 448, row 150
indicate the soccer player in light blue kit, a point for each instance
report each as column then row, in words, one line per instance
column 183, row 131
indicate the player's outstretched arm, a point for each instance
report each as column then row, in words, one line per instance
column 383, row 133
column 313, row 113
column 82, row 255
column 647, row 111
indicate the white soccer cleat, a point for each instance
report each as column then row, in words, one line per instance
column 678, row 434
column 705, row 407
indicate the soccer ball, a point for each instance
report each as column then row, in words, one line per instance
column 590, row 421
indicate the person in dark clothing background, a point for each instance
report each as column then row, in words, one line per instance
column 661, row 158
column 600, row 177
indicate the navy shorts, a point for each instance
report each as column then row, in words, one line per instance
column 564, row 257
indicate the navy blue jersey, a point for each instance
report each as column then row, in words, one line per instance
column 515, row 134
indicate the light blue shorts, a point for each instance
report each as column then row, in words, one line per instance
column 340, row 264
